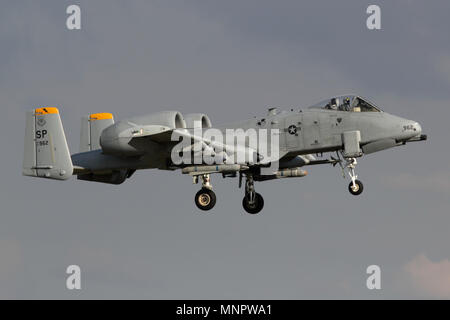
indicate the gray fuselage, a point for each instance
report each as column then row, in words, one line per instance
column 301, row 132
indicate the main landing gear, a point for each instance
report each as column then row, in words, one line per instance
column 253, row 202
column 205, row 199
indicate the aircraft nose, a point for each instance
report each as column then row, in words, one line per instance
column 408, row 129
column 412, row 130
column 417, row 128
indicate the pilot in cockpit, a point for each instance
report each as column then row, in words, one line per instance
column 345, row 104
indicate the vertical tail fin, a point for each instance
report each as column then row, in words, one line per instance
column 91, row 129
column 46, row 153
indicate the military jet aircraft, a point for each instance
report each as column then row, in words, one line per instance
column 349, row 126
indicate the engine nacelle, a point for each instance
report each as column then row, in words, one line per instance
column 194, row 119
column 116, row 138
column 114, row 177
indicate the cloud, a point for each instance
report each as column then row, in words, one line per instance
column 428, row 277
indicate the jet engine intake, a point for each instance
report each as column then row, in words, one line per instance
column 197, row 119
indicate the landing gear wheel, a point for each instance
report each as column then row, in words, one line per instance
column 205, row 199
column 256, row 206
column 357, row 189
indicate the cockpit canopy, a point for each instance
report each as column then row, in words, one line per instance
column 347, row 103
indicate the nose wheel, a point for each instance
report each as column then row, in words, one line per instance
column 356, row 187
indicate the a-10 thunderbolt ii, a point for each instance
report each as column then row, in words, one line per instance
column 350, row 126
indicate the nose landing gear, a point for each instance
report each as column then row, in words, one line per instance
column 355, row 187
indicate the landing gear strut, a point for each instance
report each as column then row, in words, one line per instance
column 253, row 202
column 355, row 187
column 205, row 199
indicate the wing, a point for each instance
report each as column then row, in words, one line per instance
column 197, row 143
column 294, row 161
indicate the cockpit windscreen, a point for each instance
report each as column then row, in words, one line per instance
column 347, row 103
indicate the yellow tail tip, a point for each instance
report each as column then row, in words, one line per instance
column 46, row 110
column 100, row 116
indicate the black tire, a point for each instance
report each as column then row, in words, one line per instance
column 358, row 190
column 256, row 207
column 205, row 199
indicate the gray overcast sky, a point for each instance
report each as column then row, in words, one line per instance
column 229, row 59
